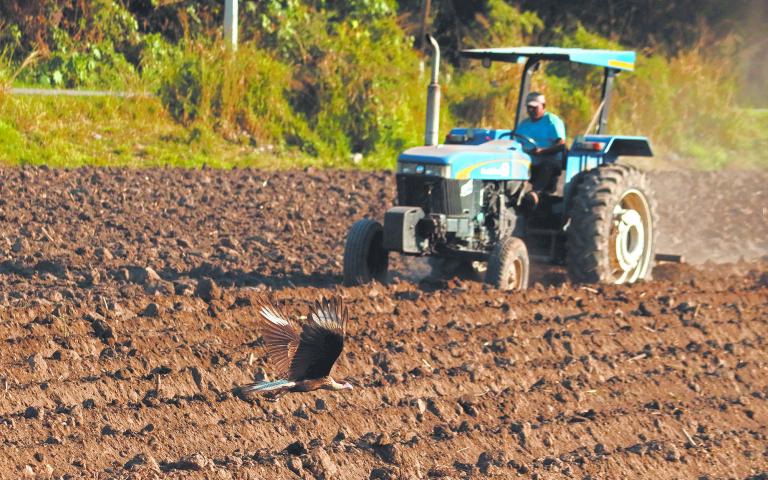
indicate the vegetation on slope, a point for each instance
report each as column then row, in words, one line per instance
column 313, row 83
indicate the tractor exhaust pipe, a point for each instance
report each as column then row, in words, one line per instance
column 433, row 97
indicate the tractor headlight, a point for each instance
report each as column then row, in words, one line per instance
column 405, row 167
column 424, row 169
column 438, row 170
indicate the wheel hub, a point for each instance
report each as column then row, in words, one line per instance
column 630, row 238
column 515, row 275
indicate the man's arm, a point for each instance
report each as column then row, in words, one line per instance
column 556, row 147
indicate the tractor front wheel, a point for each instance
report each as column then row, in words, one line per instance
column 508, row 265
column 365, row 258
column 612, row 232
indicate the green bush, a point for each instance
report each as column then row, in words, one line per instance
column 243, row 95
column 365, row 90
column 97, row 57
column 355, row 83
column 181, row 90
column 95, row 66
column 488, row 97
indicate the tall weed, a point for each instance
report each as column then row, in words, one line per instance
column 361, row 92
column 688, row 106
column 488, row 97
column 242, row 95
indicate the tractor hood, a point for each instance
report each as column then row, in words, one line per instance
column 494, row 160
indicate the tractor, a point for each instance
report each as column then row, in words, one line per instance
column 461, row 202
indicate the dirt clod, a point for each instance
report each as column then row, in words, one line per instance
column 32, row 412
column 194, row 462
column 37, row 363
column 382, row 474
column 151, row 310
column 671, row 453
column 324, row 466
column 207, row 290
column 295, row 465
column 296, row 448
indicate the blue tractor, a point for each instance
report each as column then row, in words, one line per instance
column 461, row 202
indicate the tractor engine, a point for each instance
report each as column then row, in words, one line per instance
column 436, row 214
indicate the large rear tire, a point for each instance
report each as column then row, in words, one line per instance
column 508, row 265
column 612, row 233
column 365, row 259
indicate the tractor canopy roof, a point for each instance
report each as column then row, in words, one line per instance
column 617, row 59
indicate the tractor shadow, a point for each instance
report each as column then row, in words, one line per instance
column 427, row 278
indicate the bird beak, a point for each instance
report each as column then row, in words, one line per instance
column 348, row 385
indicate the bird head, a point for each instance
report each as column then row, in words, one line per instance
column 331, row 384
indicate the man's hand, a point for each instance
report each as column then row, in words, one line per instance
column 554, row 148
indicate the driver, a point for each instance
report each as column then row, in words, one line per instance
column 548, row 131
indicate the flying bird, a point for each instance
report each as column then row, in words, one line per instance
column 302, row 354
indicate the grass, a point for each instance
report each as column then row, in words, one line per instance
column 60, row 131
column 70, row 132
column 684, row 105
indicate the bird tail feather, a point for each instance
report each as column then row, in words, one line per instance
column 267, row 386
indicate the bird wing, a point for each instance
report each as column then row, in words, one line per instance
column 267, row 386
column 330, row 314
column 281, row 337
column 321, row 340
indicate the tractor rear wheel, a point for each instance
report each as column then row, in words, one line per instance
column 365, row 258
column 508, row 265
column 612, row 233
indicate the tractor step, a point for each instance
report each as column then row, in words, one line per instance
column 669, row 257
column 544, row 231
column 545, row 245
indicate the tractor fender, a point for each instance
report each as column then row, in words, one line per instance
column 612, row 146
column 400, row 229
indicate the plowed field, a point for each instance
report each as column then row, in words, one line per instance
column 126, row 319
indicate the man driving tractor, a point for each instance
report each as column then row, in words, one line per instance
column 548, row 131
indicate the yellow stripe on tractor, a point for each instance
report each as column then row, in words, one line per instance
column 620, row 64
column 463, row 174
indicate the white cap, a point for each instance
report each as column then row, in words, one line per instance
column 535, row 99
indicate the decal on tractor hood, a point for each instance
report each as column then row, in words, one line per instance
column 495, row 169
column 466, row 189
column 503, row 170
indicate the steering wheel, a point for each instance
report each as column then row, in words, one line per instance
column 531, row 143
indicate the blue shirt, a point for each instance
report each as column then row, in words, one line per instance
column 545, row 131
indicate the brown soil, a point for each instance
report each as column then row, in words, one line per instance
column 126, row 319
